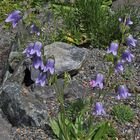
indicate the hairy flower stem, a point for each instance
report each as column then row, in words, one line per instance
column 43, row 51
column 100, row 93
column 108, row 79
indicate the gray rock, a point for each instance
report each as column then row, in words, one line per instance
column 21, row 106
column 19, row 103
column 68, row 58
column 5, row 47
column 120, row 3
column 5, row 128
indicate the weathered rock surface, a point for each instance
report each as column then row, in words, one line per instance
column 67, row 57
column 19, row 104
column 22, row 107
column 5, row 128
column 119, row 3
column 5, row 46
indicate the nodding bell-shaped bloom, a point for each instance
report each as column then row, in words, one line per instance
column 50, row 66
column 130, row 41
column 127, row 56
column 37, row 62
column 35, row 29
column 99, row 110
column 123, row 92
column 14, row 17
column 98, row 82
column 113, row 48
column 29, row 49
column 37, row 49
column 41, row 80
column 119, row 67
column 33, row 49
column 127, row 21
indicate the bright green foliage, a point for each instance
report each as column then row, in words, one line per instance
column 123, row 113
column 65, row 129
column 94, row 19
column 86, row 17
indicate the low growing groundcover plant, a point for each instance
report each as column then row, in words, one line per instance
column 77, row 121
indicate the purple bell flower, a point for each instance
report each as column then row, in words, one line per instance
column 33, row 49
column 92, row 83
column 35, row 29
column 29, row 49
column 123, row 92
column 127, row 21
column 119, row 67
column 14, row 17
column 113, row 48
column 37, row 62
column 130, row 41
column 99, row 110
column 37, row 49
column 50, row 66
column 41, row 80
column 127, row 56
column 98, row 82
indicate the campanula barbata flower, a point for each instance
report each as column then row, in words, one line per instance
column 123, row 92
column 99, row 110
column 113, row 48
column 14, row 17
column 98, row 82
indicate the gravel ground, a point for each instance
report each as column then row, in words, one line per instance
column 94, row 64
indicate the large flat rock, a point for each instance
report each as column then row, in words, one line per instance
column 68, row 58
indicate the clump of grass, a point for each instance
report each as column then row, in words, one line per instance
column 95, row 20
column 123, row 113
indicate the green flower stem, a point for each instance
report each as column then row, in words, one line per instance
column 100, row 93
column 43, row 51
column 136, row 100
column 108, row 79
column 111, row 69
column 60, row 97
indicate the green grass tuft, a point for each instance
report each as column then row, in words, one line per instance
column 123, row 113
